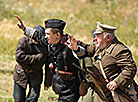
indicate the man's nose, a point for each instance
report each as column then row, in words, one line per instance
column 46, row 36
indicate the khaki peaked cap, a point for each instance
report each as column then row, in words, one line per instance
column 101, row 28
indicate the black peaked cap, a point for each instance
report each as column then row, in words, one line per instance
column 55, row 23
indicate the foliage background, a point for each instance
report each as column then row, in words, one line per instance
column 81, row 17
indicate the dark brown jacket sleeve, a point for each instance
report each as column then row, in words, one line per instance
column 23, row 57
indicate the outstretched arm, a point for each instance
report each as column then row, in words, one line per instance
column 28, row 31
column 32, row 33
column 20, row 24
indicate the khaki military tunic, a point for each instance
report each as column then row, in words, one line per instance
column 118, row 65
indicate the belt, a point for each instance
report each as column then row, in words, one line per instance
column 26, row 70
column 64, row 74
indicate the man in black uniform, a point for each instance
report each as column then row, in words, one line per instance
column 65, row 80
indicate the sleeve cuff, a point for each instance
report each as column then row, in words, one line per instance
column 80, row 51
column 29, row 31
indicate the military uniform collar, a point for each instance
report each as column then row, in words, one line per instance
column 108, row 49
column 111, row 46
column 57, row 47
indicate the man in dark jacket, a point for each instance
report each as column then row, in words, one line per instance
column 65, row 80
column 30, row 57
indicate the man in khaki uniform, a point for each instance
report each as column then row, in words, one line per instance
column 111, row 60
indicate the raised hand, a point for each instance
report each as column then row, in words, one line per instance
column 20, row 24
column 73, row 43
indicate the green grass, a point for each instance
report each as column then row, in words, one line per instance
column 6, row 100
column 81, row 17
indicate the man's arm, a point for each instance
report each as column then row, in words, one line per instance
column 35, row 35
column 32, row 33
column 48, row 77
column 24, row 58
column 128, row 67
column 80, row 48
column 20, row 24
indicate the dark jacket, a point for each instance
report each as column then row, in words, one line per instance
column 68, row 89
column 37, row 36
column 30, row 58
column 62, row 58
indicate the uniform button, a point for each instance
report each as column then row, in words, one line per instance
column 54, row 56
column 54, row 62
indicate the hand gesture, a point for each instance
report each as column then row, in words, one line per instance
column 20, row 24
column 73, row 43
column 112, row 86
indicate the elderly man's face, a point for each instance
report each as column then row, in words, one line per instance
column 100, row 41
column 52, row 38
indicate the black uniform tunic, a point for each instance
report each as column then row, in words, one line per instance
column 68, row 89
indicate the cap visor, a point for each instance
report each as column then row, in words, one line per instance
column 97, row 32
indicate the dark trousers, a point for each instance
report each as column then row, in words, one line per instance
column 67, row 89
column 19, row 93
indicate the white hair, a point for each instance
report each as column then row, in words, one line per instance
column 111, row 34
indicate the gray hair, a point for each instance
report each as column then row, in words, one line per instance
column 111, row 34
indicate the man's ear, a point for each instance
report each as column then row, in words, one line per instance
column 58, row 34
column 109, row 37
